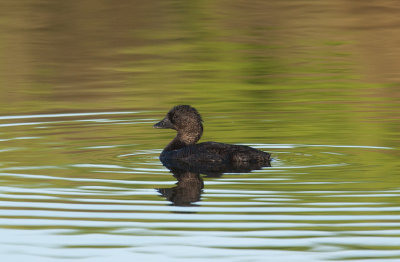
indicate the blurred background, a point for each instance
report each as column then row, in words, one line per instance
column 334, row 63
column 317, row 83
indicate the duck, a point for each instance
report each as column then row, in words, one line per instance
column 188, row 124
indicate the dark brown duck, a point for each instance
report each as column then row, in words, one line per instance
column 188, row 124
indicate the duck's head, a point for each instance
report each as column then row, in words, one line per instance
column 182, row 118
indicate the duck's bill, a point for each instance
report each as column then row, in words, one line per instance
column 165, row 123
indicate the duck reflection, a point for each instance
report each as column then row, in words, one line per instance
column 190, row 184
column 188, row 189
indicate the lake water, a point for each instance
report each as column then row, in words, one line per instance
column 315, row 83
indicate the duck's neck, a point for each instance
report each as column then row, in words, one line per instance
column 184, row 138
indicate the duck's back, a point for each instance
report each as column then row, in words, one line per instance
column 217, row 152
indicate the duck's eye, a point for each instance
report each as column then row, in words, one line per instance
column 171, row 117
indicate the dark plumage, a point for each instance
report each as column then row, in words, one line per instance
column 188, row 124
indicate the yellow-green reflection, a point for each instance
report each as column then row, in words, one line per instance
column 316, row 84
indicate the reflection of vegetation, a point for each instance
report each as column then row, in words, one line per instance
column 257, row 78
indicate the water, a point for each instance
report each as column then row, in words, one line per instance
column 314, row 83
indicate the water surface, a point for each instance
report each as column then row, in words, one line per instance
column 315, row 84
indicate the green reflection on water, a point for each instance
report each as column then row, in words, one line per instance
column 273, row 73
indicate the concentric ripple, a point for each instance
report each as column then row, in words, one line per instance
column 74, row 188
